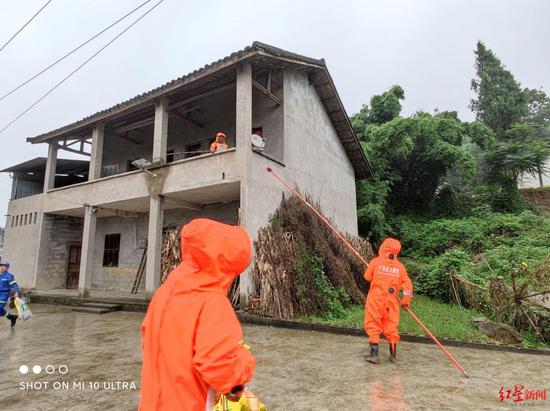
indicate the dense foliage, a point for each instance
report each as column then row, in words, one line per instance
column 437, row 165
column 476, row 248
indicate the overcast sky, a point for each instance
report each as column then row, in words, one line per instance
column 425, row 46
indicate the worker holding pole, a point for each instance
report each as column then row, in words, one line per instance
column 360, row 257
column 386, row 276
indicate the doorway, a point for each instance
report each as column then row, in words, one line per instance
column 73, row 266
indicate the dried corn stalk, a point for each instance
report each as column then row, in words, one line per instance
column 170, row 252
column 280, row 288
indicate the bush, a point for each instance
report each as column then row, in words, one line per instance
column 434, row 280
column 439, row 236
column 484, row 230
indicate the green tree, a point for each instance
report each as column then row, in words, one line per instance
column 414, row 154
column 519, row 118
column 410, row 157
column 500, row 101
column 538, row 117
column 383, row 108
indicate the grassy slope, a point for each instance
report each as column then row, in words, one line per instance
column 443, row 320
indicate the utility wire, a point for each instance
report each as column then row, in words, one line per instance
column 79, row 67
column 25, row 25
column 73, row 51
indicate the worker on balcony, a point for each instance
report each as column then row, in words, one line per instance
column 220, row 144
column 386, row 276
column 8, row 289
column 191, row 337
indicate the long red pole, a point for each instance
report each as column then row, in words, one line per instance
column 353, row 250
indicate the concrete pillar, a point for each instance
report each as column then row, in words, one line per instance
column 43, row 250
column 87, row 255
column 154, row 244
column 98, row 135
column 243, row 128
column 160, row 136
column 51, row 166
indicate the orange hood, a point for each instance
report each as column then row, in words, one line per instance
column 213, row 254
column 389, row 246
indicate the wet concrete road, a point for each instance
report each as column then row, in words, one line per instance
column 314, row 371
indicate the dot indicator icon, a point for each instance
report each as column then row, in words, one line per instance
column 37, row 369
column 23, row 369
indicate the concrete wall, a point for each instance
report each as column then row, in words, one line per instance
column 315, row 161
column 269, row 116
column 21, row 240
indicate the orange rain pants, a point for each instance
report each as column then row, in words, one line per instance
column 191, row 335
column 386, row 276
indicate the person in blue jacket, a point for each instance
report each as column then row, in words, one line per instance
column 8, row 288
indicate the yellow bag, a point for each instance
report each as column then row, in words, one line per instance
column 247, row 402
column 23, row 310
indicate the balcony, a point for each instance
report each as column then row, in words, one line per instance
column 199, row 180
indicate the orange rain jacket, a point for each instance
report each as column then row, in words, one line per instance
column 220, row 143
column 191, row 335
column 386, row 276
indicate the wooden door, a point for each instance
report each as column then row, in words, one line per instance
column 73, row 266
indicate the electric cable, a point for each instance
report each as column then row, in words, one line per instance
column 79, row 67
column 25, row 25
column 73, row 51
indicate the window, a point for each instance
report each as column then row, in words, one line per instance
column 111, row 250
column 35, row 215
column 25, row 219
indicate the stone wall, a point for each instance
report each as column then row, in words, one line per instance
column 59, row 232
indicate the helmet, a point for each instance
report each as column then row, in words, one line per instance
column 220, row 134
column 5, row 264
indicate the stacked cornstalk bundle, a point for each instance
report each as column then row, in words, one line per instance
column 273, row 273
column 170, row 252
column 294, row 233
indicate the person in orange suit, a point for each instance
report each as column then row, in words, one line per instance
column 191, row 337
column 220, row 144
column 386, row 276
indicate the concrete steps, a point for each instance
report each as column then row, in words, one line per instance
column 97, row 308
column 126, row 303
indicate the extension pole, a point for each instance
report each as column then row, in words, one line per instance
column 347, row 243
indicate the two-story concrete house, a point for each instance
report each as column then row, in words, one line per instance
column 85, row 224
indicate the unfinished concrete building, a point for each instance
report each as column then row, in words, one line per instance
column 86, row 224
